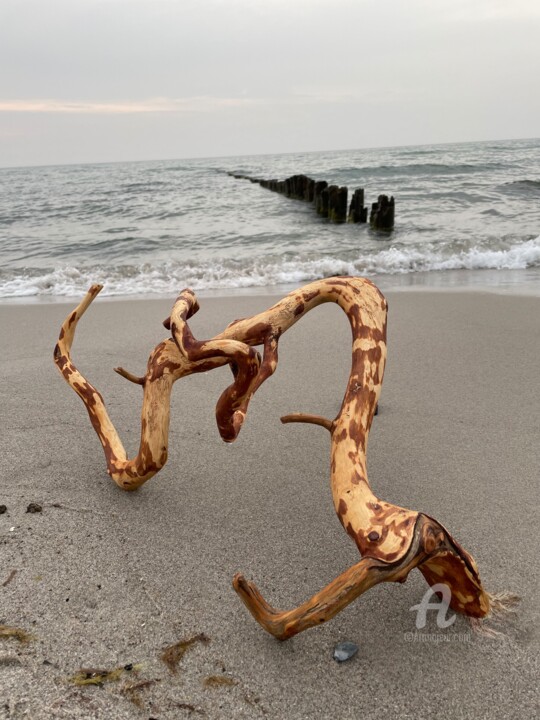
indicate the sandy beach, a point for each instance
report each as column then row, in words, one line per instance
column 104, row 579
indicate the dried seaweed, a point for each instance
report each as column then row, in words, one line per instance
column 12, row 632
column 6, row 660
column 132, row 691
column 9, row 578
column 93, row 676
column 213, row 681
column 173, row 654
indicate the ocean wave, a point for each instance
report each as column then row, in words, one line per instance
column 175, row 169
column 416, row 169
column 527, row 185
column 168, row 278
column 116, row 230
column 420, row 152
column 142, row 186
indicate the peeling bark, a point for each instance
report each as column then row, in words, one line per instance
column 391, row 540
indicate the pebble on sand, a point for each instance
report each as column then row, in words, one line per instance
column 345, row 651
column 34, row 508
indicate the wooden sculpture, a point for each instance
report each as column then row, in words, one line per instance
column 392, row 540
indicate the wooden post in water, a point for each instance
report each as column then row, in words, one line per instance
column 319, row 186
column 337, row 204
column 288, row 187
column 322, row 202
column 382, row 214
column 357, row 211
column 300, row 187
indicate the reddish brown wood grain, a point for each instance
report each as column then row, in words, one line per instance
column 392, row 540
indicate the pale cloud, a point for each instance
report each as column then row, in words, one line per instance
column 305, row 95
column 154, row 105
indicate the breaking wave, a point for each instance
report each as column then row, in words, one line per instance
column 172, row 276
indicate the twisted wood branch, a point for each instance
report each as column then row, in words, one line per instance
column 392, row 540
column 165, row 365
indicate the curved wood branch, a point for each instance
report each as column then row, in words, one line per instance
column 333, row 598
column 244, row 360
column 369, row 571
column 392, row 540
column 165, row 366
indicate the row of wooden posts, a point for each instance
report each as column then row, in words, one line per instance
column 330, row 201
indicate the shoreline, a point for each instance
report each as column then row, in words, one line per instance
column 518, row 283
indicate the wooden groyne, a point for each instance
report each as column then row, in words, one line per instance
column 381, row 216
column 331, row 201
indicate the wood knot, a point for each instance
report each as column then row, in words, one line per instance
column 429, row 544
column 432, row 540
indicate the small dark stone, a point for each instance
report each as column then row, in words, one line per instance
column 34, row 508
column 345, row 651
column 128, row 667
column 3, row 509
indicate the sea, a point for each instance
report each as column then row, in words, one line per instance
column 467, row 216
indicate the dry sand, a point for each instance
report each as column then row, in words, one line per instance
column 106, row 578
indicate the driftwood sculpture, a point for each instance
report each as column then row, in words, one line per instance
column 392, row 540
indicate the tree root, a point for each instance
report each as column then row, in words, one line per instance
column 392, row 540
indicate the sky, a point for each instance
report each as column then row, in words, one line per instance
column 118, row 80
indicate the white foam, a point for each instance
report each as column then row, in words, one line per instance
column 167, row 278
